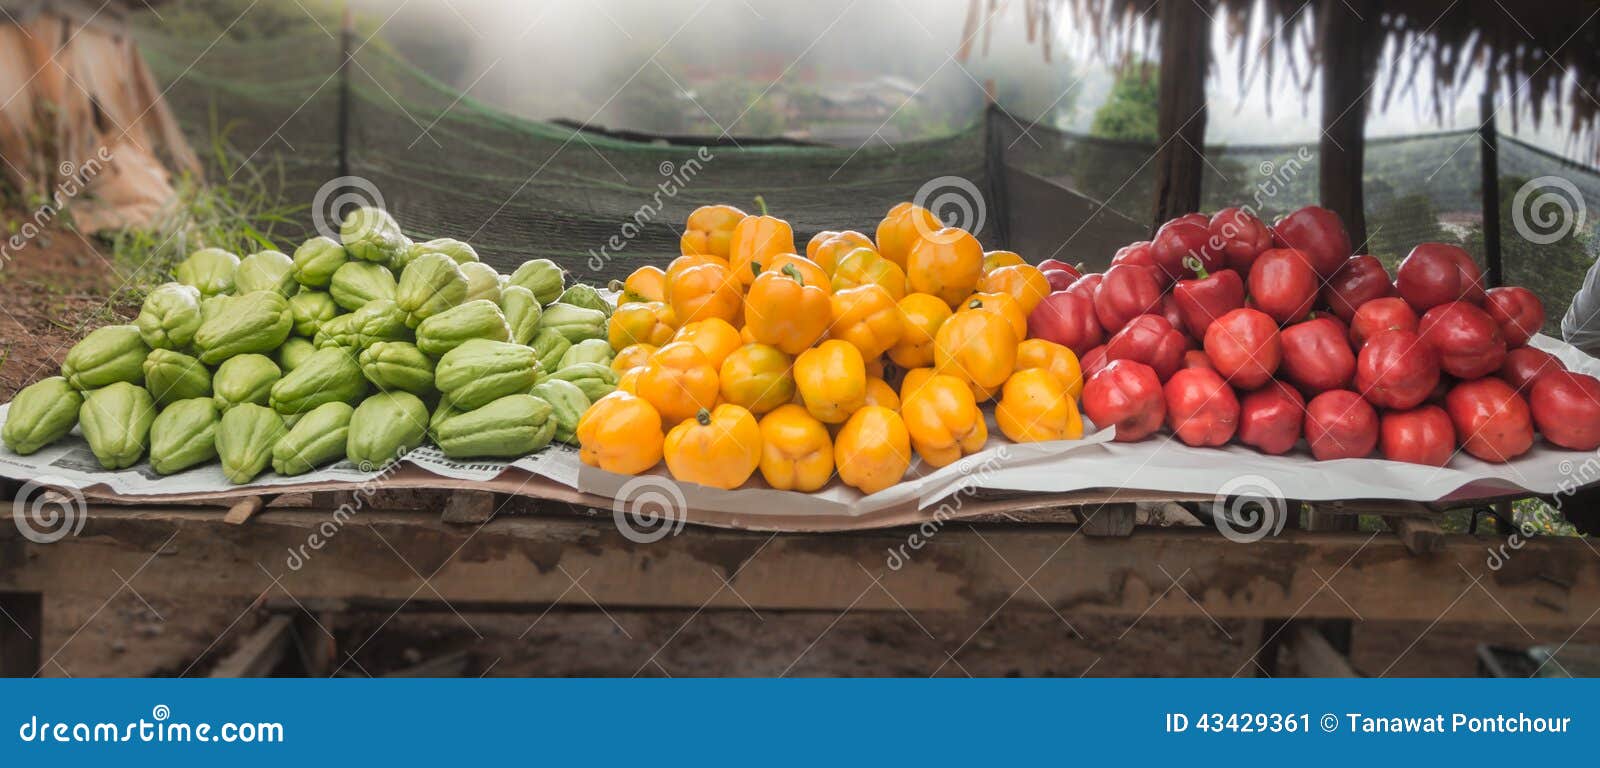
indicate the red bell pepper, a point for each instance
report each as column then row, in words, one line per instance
column 1518, row 311
column 1317, row 356
column 1524, row 364
column 1127, row 395
column 1151, row 340
column 1179, row 240
column 1270, row 418
column 1086, row 285
column 1201, row 408
column 1067, row 319
column 1386, row 314
column 1420, row 436
column 1566, row 408
column 1207, row 297
column 1319, row 234
column 1283, row 283
column 1340, row 425
column 1397, row 369
column 1127, row 291
column 1245, row 347
column 1075, row 270
column 1436, row 273
column 1467, row 339
column 1140, row 254
column 1359, row 280
column 1492, row 422
column 1240, row 237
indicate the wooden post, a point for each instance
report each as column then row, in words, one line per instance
column 1349, row 48
column 1181, row 117
column 1489, row 158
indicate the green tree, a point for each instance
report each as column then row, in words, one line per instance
column 1131, row 111
column 1553, row 271
column 1116, row 172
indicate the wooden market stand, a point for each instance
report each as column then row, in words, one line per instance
column 493, row 553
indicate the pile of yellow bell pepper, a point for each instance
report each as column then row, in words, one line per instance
column 745, row 356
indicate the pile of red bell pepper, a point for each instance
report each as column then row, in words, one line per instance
column 1225, row 329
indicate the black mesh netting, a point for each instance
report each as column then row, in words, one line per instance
column 447, row 165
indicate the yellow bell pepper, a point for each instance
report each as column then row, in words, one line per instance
column 863, row 266
column 703, row 291
column 678, row 381
column 880, row 393
column 808, row 269
column 1001, row 304
column 628, row 381
column 678, row 265
column 757, row 377
column 902, row 227
column 946, row 263
column 993, row 260
column 647, row 283
column 872, row 449
column 832, row 380
column 719, row 447
column 1023, row 282
column 620, row 433
column 640, row 322
column 827, row 247
column 632, row 356
column 756, row 239
column 921, row 315
column 709, row 230
column 796, row 453
column 977, row 347
column 1058, row 360
column 868, row 318
column 1035, row 407
column 943, row 420
column 781, row 309
column 714, row 336
column 913, row 381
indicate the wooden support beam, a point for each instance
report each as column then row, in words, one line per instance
column 244, row 509
column 1314, row 655
column 470, row 507
column 1181, row 116
column 1108, row 520
column 1420, row 535
column 1349, row 49
column 529, row 562
column 261, row 650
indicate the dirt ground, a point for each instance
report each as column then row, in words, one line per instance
column 50, row 295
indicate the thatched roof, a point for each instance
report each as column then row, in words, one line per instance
column 1543, row 57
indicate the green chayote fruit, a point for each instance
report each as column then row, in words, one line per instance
column 42, row 413
column 458, row 251
column 254, row 322
column 482, row 282
column 211, row 306
column 293, row 352
column 522, row 312
column 244, row 379
column 510, row 426
column 594, row 379
column 170, row 316
column 116, row 421
column 480, row 370
column 184, row 435
column 398, row 365
column 246, row 436
column 265, row 271
column 587, row 351
column 429, row 285
column 567, row 402
column 549, row 345
column 208, row 269
column 328, row 376
column 310, row 309
column 473, row 320
column 542, row 277
column 379, row 320
column 109, row 354
column 574, row 322
column 385, row 427
column 316, row 260
column 358, row 282
column 318, row 438
column 586, row 296
column 172, row 376
column 371, row 234
column 444, row 412
column 338, row 333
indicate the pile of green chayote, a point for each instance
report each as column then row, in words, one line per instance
column 361, row 348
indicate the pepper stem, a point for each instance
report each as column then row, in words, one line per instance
column 1195, row 265
column 790, row 270
column 761, row 204
column 976, row 304
column 703, row 416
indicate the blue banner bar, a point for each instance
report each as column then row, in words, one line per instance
column 816, row 722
